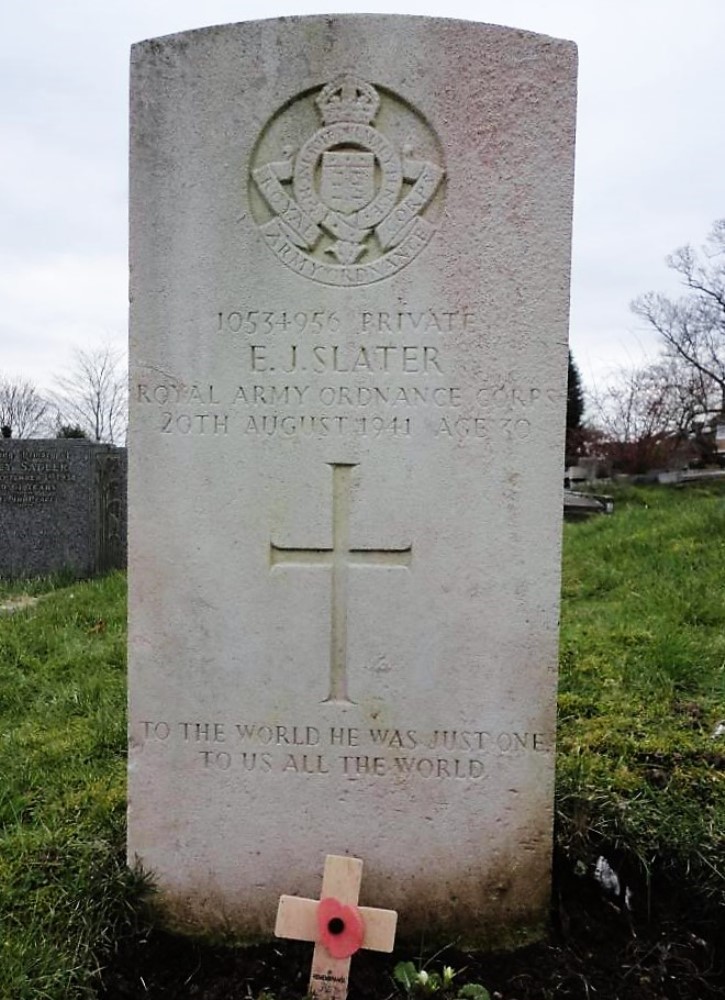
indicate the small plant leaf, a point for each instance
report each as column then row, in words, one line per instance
column 473, row 991
column 406, row 974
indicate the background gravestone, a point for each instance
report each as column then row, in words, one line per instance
column 350, row 248
column 62, row 507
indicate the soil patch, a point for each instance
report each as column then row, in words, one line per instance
column 653, row 942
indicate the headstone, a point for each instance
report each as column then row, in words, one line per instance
column 62, row 507
column 337, row 925
column 720, row 439
column 578, row 505
column 585, row 471
column 350, row 244
column 669, row 478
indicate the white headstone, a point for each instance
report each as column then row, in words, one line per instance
column 350, row 269
column 720, row 439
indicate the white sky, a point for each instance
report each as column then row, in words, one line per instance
column 650, row 156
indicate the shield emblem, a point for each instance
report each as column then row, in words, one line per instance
column 348, row 180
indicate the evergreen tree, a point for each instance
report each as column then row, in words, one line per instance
column 574, row 397
column 71, row 431
column 574, row 411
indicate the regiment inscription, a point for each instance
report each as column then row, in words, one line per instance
column 348, row 204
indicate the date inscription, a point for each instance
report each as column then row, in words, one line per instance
column 379, row 374
column 293, row 410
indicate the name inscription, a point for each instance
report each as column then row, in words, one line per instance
column 370, row 374
column 31, row 476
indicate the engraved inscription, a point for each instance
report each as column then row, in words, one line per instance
column 339, row 557
column 319, row 321
column 31, row 476
column 407, row 359
column 352, row 752
column 290, row 409
column 384, row 374
column 352, row 202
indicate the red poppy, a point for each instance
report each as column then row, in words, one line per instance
column 341, row 929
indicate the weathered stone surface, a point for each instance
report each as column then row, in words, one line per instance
column 62, row 507
column 350, row 266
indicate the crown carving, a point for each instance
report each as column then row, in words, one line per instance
column 348, row 99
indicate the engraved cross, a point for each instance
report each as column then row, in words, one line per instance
column 339, row 557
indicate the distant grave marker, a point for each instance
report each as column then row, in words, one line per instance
column 62, row 507
column 350, row 245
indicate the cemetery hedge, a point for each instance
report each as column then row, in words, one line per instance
column 639, row 782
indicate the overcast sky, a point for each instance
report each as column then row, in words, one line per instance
column 650, row 155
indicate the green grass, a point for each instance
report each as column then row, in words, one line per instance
column 642, row 689
column 642, row 684
column 64, row 892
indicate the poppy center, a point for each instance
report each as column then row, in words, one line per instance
column 336, row 925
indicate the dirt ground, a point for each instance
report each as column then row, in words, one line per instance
column 662, row 948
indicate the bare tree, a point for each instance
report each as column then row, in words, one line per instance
column 644, row 415
column 94, row 396
column 22, row 409
column 692, row 328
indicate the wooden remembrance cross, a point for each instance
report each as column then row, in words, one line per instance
column 337, row 925
column 339, row 557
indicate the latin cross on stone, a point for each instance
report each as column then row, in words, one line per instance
column 339, row 557
column 337, row 925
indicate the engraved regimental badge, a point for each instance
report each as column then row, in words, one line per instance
column 354, row 200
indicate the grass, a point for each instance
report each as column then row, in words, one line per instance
column 639, row 771
column 642, row 685
column 64, row 891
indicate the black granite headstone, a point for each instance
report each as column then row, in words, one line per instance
column 62, row 507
